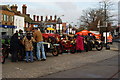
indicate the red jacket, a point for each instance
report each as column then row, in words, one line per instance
column 79, row 43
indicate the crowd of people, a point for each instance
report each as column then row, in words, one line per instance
column 20, row 44
column 29, row 45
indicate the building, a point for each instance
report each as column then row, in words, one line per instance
column 44, row 22
column 7, row 20
column 22, row 20
column 19, row 22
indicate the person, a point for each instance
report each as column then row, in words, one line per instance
column 14, row 47
column 79, row 43
column 21, row 47
column 27, row 42
column 39, row 39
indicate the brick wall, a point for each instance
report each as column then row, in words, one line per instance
column 9, row 14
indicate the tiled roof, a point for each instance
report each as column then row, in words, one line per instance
column 27, row 18
column 5, row 7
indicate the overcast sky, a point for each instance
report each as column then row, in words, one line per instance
column 71, row 9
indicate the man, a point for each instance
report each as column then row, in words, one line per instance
column 14, row 47
column 39, row 39
column 21, row 46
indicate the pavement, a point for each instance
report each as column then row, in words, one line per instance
column 86, row 64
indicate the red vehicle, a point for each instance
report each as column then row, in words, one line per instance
column 51, row 43
column 67, row 45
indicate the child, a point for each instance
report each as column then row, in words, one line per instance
column 27, row 42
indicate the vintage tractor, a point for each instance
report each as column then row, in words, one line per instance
column 51, row 43
column 67, row 44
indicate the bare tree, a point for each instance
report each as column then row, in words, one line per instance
column 91, row 17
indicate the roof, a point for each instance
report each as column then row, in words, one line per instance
column 27, row 18
column 5, row 7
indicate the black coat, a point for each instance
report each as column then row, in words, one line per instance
column 14, row 42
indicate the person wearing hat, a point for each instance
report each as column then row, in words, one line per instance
column 28, row 43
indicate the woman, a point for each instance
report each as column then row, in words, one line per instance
column 79, row 43
column 27, row 42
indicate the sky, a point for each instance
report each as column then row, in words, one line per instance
column 71, row 9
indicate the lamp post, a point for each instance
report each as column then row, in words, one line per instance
column 105, row 22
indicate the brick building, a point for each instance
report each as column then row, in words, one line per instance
column 7, row 20
column 26, row 23
column 47, row 21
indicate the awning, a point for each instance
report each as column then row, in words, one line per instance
column 84, row 32
column 49, row 28
column 8, row 26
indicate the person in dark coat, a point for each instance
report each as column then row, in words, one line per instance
column 21, row 46
column 14, row 47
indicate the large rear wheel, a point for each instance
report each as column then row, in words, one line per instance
column 99, row 47
column 55, row 51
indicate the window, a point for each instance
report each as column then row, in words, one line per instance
column 2, row 17
column 12, row 18
column 5, row 17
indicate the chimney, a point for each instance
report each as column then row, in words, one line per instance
column 14, row 7
column 46, row 18
column 50, row 18
column 41, row 18
column 37, row 18
column 24, row 7
column 34, row 17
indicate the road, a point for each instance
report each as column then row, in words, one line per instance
column 102, row 69
column 92, row 64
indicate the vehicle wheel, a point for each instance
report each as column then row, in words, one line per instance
column 99, row 47
column 90, row 48
column 55, row 51
column 2, row 59
column 5, row 53
column 60, row 51
column 73, row 49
